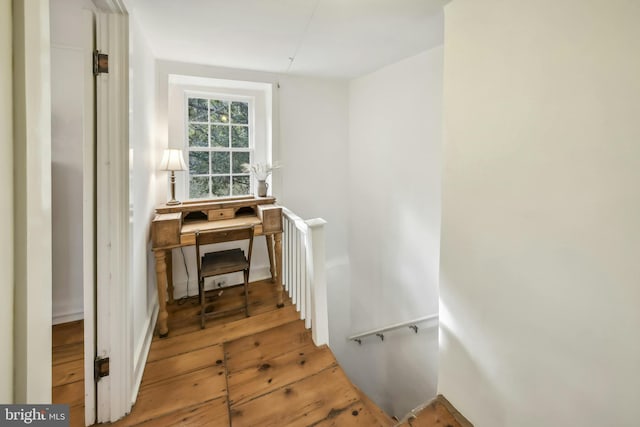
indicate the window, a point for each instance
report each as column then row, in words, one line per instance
column 220, row 142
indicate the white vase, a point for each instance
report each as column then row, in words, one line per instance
column 262, row 188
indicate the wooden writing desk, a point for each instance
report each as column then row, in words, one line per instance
column 175, row 226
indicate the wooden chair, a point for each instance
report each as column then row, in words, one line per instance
column 223, row 262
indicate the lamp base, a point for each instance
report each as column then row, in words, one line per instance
column 173, row 200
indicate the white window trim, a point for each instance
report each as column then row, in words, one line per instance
column 263, row 117
column 228, row 97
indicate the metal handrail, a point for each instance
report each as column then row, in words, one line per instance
column 412, row 324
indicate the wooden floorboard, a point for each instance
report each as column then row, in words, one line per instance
column 255, row 349
column 67, row 333
column 314, row 400
column 216, row 334
column 182, row 364
column 177, row 393
column 439, row 413
column 357, row 414
column 67, row 353
column 67, row 370
column 257, row 371
column 212, row 413
column 72, row 394
column 275, row 372
column 382, row 417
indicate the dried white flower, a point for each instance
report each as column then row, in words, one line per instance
column 260, row 170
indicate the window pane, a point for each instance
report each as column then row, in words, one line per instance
column 219, row 136
column 240, row 185
column 220, row 162
column 238, row 160
column 240, row 112
column 220, row 185
column 198, row 110
column 219, row 111
column 198, row 136
column 198, row 162
column 199, row 187
column 240, row 136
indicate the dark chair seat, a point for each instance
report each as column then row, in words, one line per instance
column 223, row 262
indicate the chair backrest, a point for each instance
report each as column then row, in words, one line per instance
column 209, row 237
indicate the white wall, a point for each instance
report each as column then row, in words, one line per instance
column 540, row 235
column 314, row 128
column 6, row 200
column 32, row 202
column 314, row 119
column 142, row 189
column 394, row 154
column 68, row 121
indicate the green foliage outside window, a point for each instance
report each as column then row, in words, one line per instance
column 219, row 135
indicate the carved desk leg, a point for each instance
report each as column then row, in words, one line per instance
column 269, row 238
column 278, row 255
column 161, row 281
column 169, row 262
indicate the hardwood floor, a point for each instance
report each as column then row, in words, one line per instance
column 262, row 370
column 67, row 373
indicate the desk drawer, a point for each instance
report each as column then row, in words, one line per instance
column 224, row 213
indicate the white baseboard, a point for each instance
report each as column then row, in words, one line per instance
column 68, row 317
column 142, row 352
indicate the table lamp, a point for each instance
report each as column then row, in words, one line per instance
column 172, row 160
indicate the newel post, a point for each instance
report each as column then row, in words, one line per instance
column 319, row 309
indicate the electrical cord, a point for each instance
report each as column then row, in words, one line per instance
column 184, row 261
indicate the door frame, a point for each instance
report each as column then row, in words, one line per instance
column 89, row 217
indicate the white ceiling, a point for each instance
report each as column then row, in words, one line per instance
column 330, row 38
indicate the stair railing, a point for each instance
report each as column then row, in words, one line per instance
column 379, row 332
column 304, row 276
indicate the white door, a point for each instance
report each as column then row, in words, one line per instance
column 113, row 294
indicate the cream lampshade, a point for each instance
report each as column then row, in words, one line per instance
column 172, row 160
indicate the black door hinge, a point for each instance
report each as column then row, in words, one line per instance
column 100, row 368
column 100, row 63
